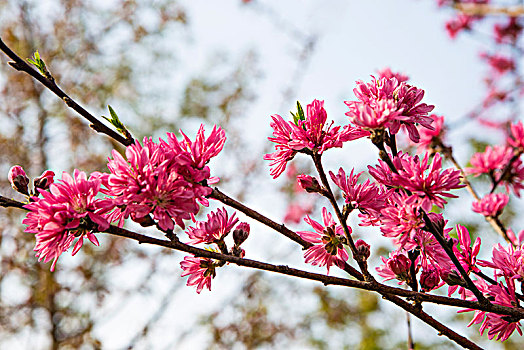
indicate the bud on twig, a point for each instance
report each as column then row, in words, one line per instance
column 429, row 279
column 18, row 179
column 308, row 183
column 241, row 233
column 363, row 250
column 44, row 180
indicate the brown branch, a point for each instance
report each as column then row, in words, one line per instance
column 48, row 81
column 485, row 9
column 324, row 279
column 220, row 196
column 439, row 236
column 415, row 310
column 7, row 202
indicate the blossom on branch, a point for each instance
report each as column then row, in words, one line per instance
column 18, row 179
column 426, row 180
column 200, row 271
column 328, row 242
column 491, row 205
column 368, row 197
column 396, row 267
column 70, row 209
column 499, row 326
column 214, row 229
column 493, row 162
column 312, row 133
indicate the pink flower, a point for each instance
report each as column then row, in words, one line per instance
column 493, row 161
column 430, row 138
column 516, row 241
column 509, row 32
column 467, row 254
column 308, row 183
column 508, row 262
column 420, row 177
column 429, row 279
column 368, row 197
column 200, row 270
column 63, row 213
column 363, row 249
column 388, row 74
column 498, row 325
column 493, row 158
column 312, row 133
column 387, row 103
column 241, row 233
column 491, row 205
column 516, row 138
column 431, row 252
column 459, row 23
column 197, row 154
column 401, row 217
column 214, row 229
column 328, row 240
column 500, row 64
column 18, row 179
column 167, row 180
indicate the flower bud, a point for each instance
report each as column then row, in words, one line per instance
column 429, row 279
column 308, row 183
column 18, row 179
column 363, row 249
column 44, row 180
column 241, row 233
column 400, row 265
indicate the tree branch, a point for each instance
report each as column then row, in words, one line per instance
column 19, row 64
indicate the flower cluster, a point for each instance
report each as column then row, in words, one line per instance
column 388, row 103
column 420, row 177
column 167, row 180
column 165, row 183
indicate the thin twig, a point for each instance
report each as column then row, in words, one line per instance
column 19, row 64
